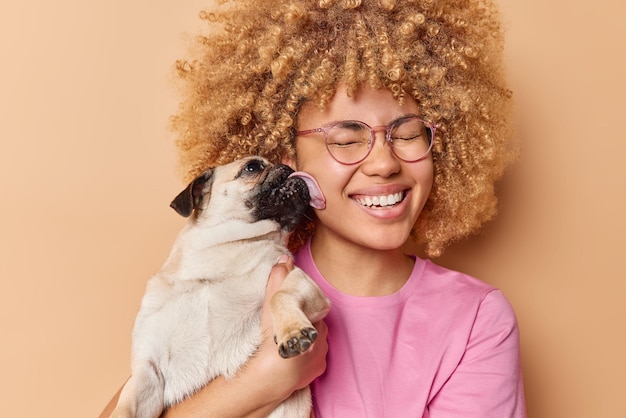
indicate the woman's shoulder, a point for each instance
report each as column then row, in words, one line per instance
column 437, row 276
column 451, row 289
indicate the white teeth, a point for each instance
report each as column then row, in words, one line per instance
column 382, row 201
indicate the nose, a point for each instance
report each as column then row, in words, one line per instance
column 381, row 160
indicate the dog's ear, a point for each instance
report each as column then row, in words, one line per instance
column 192, row 197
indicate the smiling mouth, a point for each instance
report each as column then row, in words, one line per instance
column 382, row 201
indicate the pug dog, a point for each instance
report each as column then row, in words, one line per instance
column 200, row 315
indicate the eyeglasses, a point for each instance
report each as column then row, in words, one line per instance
column 351, row 141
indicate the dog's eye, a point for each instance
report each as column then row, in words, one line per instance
column 254, row 167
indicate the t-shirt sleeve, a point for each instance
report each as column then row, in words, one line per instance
column 487, row 383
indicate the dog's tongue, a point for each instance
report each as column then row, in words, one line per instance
column 318, row 201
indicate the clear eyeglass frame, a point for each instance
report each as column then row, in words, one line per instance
column 363, row 149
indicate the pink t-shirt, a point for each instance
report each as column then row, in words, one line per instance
column 444, row 346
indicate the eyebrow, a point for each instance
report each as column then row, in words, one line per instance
column 347, row 121
column 407, row 115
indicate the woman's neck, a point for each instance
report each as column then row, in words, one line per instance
column 360, row 271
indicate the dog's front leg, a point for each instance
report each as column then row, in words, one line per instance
column 295, row 307
column 142, row 396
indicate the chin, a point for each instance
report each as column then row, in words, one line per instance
column 385, row 241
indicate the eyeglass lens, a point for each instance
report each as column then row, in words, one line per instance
column 350, row 141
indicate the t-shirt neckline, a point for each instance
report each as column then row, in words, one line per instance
column 307, row 263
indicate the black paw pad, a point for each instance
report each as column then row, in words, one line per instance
column 298, row 345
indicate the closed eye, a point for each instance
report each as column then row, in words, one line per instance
column 346, row 142
column 406, row 138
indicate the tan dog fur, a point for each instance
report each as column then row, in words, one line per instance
column 200, row 315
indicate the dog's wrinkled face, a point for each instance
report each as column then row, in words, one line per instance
column 250, row 189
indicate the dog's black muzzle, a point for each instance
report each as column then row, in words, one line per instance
column 280, row 197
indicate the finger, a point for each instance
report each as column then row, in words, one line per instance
column 278, row 274
column 322, row 335
column 322, row 328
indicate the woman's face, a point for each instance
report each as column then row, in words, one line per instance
column 349, row 215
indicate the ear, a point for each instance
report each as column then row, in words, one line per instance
column 289, row 161
column 192, row 197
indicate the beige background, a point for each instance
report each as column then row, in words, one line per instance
column 87, row 170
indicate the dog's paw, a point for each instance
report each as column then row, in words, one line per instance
column 297, row 344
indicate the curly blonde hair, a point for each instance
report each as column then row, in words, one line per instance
column 260, row 61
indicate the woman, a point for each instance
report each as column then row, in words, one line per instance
column 399, row 110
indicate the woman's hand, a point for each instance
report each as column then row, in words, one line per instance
column 296, row 372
